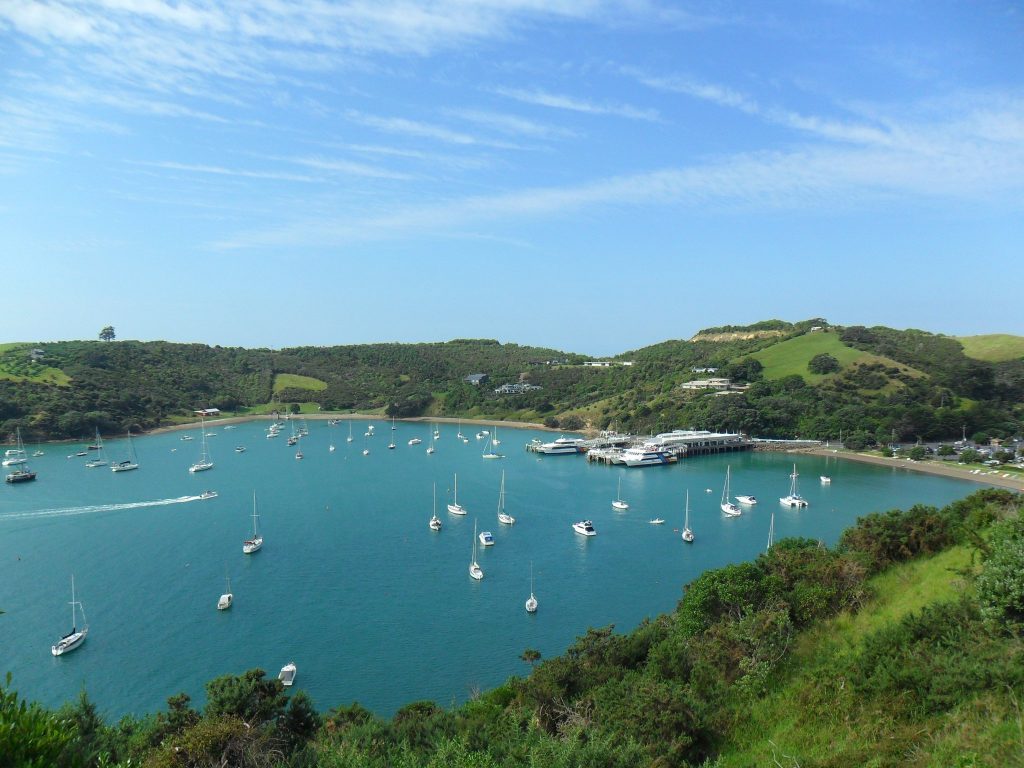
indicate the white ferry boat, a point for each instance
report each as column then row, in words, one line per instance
column 646, row 455
column 562, row 445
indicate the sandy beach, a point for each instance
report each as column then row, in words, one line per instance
column 220, row 422
column 985, row 477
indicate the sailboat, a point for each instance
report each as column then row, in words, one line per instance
column 391, row 445
column 459, row 434
column 349, row 439
column 531, row 601
column 503, row 516
column 494, row 437
column 793, row 499
column 687, row 533
column 475, row 571
column 619, row 504
column 437, row 432
column 489, row 452
column 252, row 545
column 76, row 636
column 732, row 510
column 393, row 427
column 771, row 534
column 16, row 455
column 455, row 508
column 433, row 436
column 101, row 459
column 435, row 521
column 204, row 462
column 132, row 462
column 331, row 425
column 225, row 600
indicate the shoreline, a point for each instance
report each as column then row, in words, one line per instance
column 1012, row 482
column 353, row 417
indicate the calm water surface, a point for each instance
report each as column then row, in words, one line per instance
column 351, row 584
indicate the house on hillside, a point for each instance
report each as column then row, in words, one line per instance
column 476, row 379
column 207, row 412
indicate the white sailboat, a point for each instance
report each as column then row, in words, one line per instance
column 494, row 437
column 393, row 427
column 330, row 426
column 433, row 436
column 204, row 462
column 771, row 534
column 76, row 636
column 687, row 532
column 619, row 505
column 16, row 455
column 349, row 439
column 732, row 510
column 503, row 516
column 475, row 571
column 531, row 601
column 225, row 600
column 253, row 545
column 455, row 508
column 437, row 432
column 435, row 521
column 793, row 499
column 459, row 434
column 100, row 460
column 489, row 452
column 132, row 462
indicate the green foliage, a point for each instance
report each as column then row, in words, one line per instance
column 881, row 539
column 823, row 363
column 250, row 697
column 30, row 736
column 1001, row 582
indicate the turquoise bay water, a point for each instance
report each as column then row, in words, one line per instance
column 351, row 584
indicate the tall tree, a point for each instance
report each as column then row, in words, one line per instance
column 107, row 334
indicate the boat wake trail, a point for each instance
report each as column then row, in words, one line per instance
column 94, row 508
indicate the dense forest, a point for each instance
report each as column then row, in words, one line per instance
column 903, row 645
column 869, row 385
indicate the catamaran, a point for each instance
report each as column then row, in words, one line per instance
column 793, row 499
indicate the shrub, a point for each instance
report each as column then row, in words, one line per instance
column 1001, row 582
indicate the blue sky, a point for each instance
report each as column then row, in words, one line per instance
column 592, row 176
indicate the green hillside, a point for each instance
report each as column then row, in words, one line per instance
column 993, row 347
column 285, row 381
column 790, row 357
column 17, row 365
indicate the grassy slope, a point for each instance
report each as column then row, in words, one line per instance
column 284, row 381
column 790, row 357
column 811, row 716
column 993, row 347
column 16, row 366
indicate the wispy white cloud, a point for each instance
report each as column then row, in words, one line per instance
column 972, row 158
column 512, row 125
column 406, row 127
column 218, row 170
column 349, row 168
column 573, row 104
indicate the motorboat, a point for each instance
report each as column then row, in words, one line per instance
column 826, row 480
column 225, row 600
column 486, row 539
column 287, row 674
column 208, row 495
column 20, row 475
column 656, row 521
column 747, row 500
column 584, row 528
column 415, row 441
column 239, row 449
